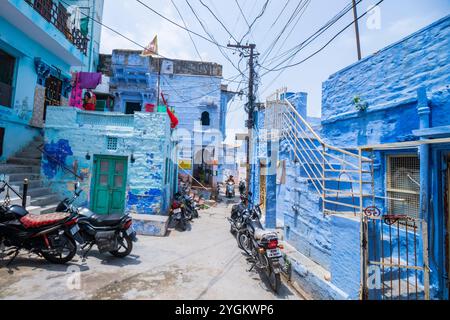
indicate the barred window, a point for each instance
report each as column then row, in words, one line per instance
column 403, row 185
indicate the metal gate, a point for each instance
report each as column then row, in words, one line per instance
column 394, row 257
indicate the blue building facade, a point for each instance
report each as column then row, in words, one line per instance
column 393, row 106
column 38, row 51
column 194, row 92
column 81, row 140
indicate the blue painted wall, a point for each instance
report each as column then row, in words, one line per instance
column 71, row 134
column 388, row 82
column 189, row 90
column 33, row 40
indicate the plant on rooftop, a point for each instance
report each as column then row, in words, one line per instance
column 359, row 104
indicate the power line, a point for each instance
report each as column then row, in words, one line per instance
column 297, row 12
column 311, row 38
column 323, row 47
column 178, row 25
column 212, row 39
column 263, row 10
column 215, row 17
column 331, row 40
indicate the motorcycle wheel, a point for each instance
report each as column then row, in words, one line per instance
column 244, row 242
column 182, row 225
column 125, row 247
column 70, row 248
column 274, row 280
column 273, row 277
column 232, row 230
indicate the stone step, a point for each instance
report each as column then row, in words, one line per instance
column 29, row 155
column 24, row 161
column 12, row 168
column 39, row 192
column 44, row 200
column 18, row 178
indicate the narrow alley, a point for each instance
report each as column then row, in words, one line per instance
column 202, row 263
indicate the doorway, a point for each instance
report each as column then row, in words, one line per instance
column 7, row 68
column 109, row 185
column 53, row 88
column 203, row 169
column 132, row 107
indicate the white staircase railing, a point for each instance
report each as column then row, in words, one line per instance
column 342, row 178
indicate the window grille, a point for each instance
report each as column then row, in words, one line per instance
column 403, row 185
column 111, row 144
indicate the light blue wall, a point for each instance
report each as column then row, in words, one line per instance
column 135, row 79
column 16, row 119
column 389, row 82
column 25, row 47
column 146, row 135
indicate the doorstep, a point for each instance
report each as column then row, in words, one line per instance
column 310, row 279
column 150, row 225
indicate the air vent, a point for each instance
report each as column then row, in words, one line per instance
column 111, row 144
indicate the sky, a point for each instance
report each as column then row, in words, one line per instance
column 391, row 21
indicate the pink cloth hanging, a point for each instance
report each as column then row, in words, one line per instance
column 76, row 99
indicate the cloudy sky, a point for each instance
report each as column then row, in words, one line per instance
column 394, row 20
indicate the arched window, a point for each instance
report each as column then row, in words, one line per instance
column 205, row 119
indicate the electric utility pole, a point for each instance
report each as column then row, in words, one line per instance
column 358, row 43
column 250, row 53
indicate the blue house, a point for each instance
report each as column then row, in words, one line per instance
column 194, row 92
column 365, row 194
column 38, row 49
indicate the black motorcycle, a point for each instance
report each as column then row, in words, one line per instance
column 261, row 246
column 190, row 205
column 178, row 217
column 237, row 215
column 242, row 187
column 111, row 233
column 51, row 236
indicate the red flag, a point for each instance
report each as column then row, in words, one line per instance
column 173, row 119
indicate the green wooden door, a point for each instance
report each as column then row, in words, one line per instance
column 109, row 185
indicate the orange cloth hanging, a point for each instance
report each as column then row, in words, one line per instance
column 173, row 119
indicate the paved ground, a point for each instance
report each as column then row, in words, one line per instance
column 202, row 263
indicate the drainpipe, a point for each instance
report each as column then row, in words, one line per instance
column 424, row 112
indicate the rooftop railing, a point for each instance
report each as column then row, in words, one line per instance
column 57, row 14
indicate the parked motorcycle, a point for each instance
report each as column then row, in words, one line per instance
column 111, row 233
column 51, row 236
column 190, row 205
column 237, row 214
column 242, row 187
column 178, row 215
column 261, row 246
column 230, row 191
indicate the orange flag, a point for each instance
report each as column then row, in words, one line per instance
column 152, row 49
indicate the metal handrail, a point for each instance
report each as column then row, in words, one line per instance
column 315, row 155
column 6, row 184
column 40, row 148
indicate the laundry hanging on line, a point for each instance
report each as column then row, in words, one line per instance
column 83, row 80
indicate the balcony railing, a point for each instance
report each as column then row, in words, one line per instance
column 57, row 15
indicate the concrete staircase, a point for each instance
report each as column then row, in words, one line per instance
column 26, row 164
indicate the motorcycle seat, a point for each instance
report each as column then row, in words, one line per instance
column 34, row 221
column 261, row 234
column 106, row 220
